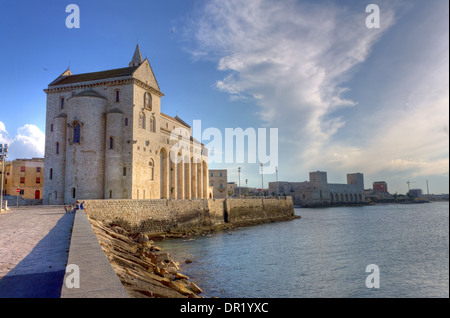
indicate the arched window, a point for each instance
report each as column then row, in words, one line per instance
column 152, row 124
column 126, row 121
column 152, row 169
column 76, row 139
column 142, row 120
column 148, row 101
column 117, row 95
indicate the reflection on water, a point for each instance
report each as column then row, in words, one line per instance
column 325, row 254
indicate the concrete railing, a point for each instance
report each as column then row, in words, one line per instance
column 89, row 266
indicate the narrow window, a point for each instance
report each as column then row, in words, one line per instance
column 124, row 171
column 73, row 193
column 126, row 121
column 61, row 105
column 110, row 194
column 51, row 128
column 152, row 170
column 142, row 120
column 57, row 148
column 51, row 173
column 111, row 142
column 117, row 93
column 152, row 124
column 148, row 101
column 76, row 133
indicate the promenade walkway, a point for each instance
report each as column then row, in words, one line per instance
column 34, row 249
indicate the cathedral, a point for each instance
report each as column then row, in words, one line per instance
column 106, row 138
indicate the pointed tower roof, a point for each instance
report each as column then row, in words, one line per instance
column 66, row 73
column 137, row 57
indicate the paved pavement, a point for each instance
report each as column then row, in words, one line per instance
column 34, row 246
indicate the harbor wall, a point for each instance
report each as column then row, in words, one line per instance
column 177, row 216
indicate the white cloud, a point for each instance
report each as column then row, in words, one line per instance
column 291, row 58
column 294, row 60
column 27, row 143
column 4, row 136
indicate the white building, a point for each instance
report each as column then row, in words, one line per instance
column 318, row 192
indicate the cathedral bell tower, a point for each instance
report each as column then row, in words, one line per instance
column 137, row 58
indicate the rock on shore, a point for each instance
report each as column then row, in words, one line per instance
column 143, row 268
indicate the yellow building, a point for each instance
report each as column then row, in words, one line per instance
column 218, row 181
column 24, row 177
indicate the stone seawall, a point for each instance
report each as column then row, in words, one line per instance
column 178, row 216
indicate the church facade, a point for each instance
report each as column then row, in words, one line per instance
column 106, row 138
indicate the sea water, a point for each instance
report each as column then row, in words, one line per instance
column 326, row 254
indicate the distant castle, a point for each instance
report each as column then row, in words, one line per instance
column 106, row 138
column 318, row 192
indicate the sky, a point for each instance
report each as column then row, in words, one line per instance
column 341, row 97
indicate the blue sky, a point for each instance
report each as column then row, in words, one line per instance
column 343, row 97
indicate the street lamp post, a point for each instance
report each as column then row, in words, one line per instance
column 3, row 153
column 239, row 173
column 262, row 180
column 276, row 171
